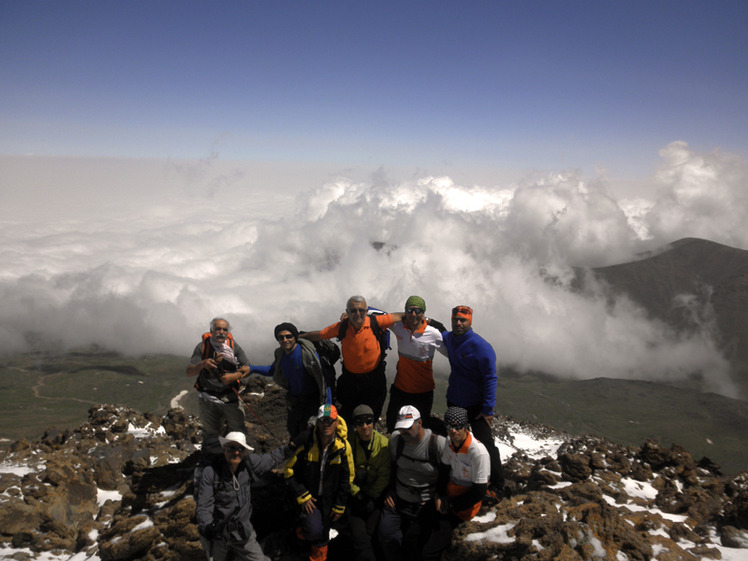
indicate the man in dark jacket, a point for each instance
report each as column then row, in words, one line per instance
column 298, row 369
column 224, row 504
column 320, row 476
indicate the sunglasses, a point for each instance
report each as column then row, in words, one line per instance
column 454, row 427
column 417, row 311
column 284, row 337
column 327, row 420
column 356, row 311
column 364, row 421
column 235, row 449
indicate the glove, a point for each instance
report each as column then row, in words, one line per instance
column 210, row 532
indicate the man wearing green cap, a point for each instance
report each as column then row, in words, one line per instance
column 417, row 340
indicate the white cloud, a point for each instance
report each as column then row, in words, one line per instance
column 147, row 268
column 701, row 195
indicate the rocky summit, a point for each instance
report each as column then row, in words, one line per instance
column 120, row 488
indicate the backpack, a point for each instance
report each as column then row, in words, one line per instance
column 433, row 450
column 328, row 353
column 208, row 351
column 197, row 475
column 212, row 384
column 382, row 335
column 436, row 325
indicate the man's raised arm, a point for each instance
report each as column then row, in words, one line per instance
column 311, row 335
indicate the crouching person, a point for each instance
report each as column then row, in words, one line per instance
column 461, row 498
column 224, row 507
column 371, row 458
column 320, row 476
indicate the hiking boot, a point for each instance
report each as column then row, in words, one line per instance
column 318, row 553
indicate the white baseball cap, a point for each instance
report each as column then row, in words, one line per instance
column 406, row 417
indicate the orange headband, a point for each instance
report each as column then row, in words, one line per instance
column 463, row 312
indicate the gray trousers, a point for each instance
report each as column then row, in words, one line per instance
column 212, row 416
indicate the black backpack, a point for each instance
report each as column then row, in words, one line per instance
column 328, row 353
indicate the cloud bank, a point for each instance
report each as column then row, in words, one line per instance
column 141, row 264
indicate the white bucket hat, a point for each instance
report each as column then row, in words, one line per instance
column 235, row 437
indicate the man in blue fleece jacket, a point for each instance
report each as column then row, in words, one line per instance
column 472, row 386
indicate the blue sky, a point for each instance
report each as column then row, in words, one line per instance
column 525, row 85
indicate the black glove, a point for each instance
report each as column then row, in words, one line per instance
column 299, row 439
column 210, row 532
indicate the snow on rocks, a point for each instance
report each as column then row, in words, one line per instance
column 120, row 487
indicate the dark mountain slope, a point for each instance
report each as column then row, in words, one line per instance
column 692, row 284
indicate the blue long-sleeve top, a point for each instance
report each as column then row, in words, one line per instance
column 472, row 379
column 299, row 372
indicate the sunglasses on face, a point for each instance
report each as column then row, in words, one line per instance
column 417, row 311
column 284, row 337
column 364, row 421
column 235, row 449
column 327, row 420
column 356, row 311
column 450, row 428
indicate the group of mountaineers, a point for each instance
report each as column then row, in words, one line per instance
column 395, row 498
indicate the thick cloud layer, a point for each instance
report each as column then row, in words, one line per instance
column 143, row 268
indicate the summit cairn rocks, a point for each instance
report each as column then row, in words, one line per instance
column 121, row 487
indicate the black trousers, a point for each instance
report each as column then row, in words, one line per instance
column 398, row 398
column 369, row 388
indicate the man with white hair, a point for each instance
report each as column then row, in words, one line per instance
column 224, row 504
column 363, row 379
column 219, row 364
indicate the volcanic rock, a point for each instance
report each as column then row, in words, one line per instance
column 121, row 487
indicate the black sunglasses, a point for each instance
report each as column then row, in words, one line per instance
column 417, row 311
column 361, row 421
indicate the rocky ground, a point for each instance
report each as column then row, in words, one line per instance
column 120, row 488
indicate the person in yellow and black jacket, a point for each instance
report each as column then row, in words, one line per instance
column 320, row 475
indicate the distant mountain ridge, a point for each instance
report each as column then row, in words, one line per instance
column 692, row 283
